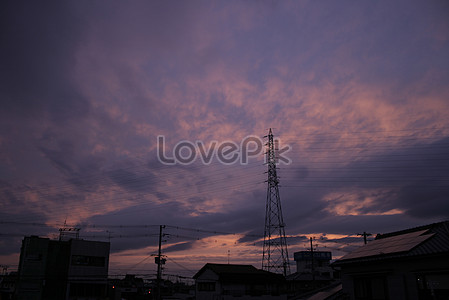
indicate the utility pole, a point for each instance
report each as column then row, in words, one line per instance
column 159, row 263
column 364, row 234
column 275, row 255
column 313, row 259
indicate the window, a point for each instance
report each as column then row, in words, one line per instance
column 206, row 286
column 93, row 261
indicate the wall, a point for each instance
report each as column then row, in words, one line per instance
column 401, row 277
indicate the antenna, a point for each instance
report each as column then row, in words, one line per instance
column 275, row 255
column 67, row 233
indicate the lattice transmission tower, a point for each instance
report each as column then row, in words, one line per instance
column 275, row 255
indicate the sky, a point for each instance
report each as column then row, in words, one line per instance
column 358, row 91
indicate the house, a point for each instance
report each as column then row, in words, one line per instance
column 58, row 269
column 229, row 281
column 8, row 285
column 408, row 264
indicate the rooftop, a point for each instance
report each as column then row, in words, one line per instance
column 233, row 272
column 432, row 239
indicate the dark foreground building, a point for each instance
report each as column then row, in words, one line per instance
column 408, row 264
column 226, row 282
column 53, row 269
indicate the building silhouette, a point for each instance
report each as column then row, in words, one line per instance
column 58, row 269
column 229, row 281
column 408, row 264
column 313, row 271
column 316, row 263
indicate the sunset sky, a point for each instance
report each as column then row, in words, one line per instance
column 358, row 89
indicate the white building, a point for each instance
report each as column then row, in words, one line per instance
column 316, row 263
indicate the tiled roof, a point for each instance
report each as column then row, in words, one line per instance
column 238, row 272
column 228, row 268
column 393, row 244
column 432, row 239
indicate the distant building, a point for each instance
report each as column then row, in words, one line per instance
column 130, row 287
column 8, row 285
column 51, row 269
column 134, row 288
column 221, row 282
column 318, row 264
column 408, row 264
column 312, row 272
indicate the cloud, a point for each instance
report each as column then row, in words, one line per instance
column 13, row 231
column 179, row 247
column 406, row 175
column 358, row 90
column 37, row 61
column 132, row 181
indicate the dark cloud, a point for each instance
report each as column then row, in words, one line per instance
column 420, row 173
column 297, row 239
column 174, row 214
column 38, row 57
column 345, row 240
column 179, row 247
column 251, row 236
column 13, row 230
column 132, row 181
column 60, row 157
column 412, row 178
column 430, row 202
column 356, row 224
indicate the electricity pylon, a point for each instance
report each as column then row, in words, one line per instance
column 275, row 255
